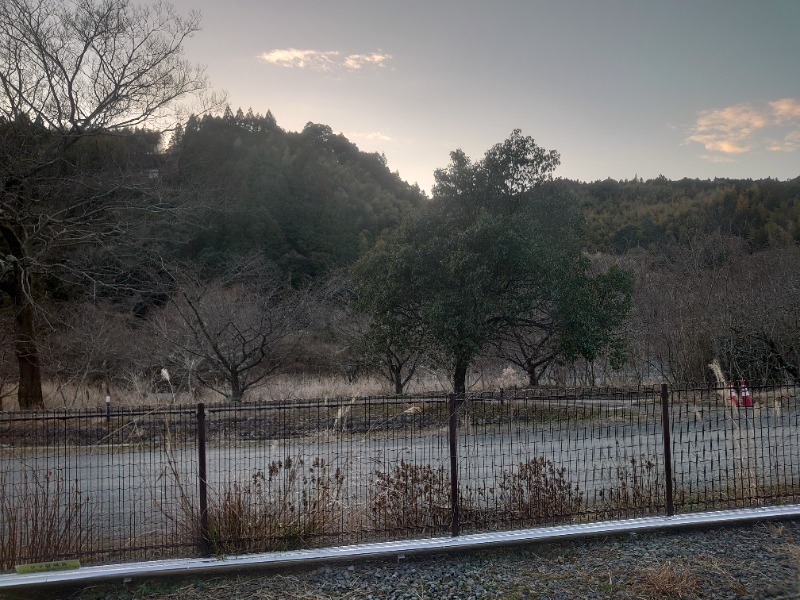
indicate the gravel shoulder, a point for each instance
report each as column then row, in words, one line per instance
column 761, row 560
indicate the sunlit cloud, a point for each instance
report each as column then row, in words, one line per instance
column 317, row 60
column 727, row 130
column 734, row 130
column 716, row 143
column 786, row 109
column 791, row 143
column 300, row 59
column 357, row 61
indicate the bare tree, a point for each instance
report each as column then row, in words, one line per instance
column 232, row 332
column 73, row 74
column 93, row 344
column 709, row 298
column 762, row 338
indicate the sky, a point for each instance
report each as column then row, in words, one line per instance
column 620, row 88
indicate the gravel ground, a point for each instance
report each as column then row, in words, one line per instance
column 751, row 561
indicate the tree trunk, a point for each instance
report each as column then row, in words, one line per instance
column 397, row 380
column 29, row 394
column 533, row 380
column 236, row 387
column 460, row 377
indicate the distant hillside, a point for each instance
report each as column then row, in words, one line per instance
column 626, row 214
column 312, row 201
column 309, row 200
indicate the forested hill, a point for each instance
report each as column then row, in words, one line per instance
column 310, row 200
column 626, row 214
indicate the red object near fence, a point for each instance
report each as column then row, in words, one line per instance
column 747, row 399
column 732, row 394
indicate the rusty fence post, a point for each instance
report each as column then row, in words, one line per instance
column 452, row 409
column 205, row 539
column 665, row 424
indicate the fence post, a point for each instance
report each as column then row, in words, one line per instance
column 452, row 409
column 665, row 424
column 205, row 539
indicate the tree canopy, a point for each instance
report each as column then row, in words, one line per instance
column 311, row 201
column 499, row 240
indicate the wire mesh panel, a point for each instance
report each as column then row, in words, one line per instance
column 550, row 456
column 727, row 454
column 287, row 475
column 96, row 486
column 125, row 484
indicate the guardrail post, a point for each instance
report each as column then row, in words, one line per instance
column 452, row 409
column 665, row 424
column 205, row 538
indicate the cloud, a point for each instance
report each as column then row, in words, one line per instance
column 318, row 60
column 371, row 136
column 786, row 109
column 727, row 130
column 300, row 59
column 717, row 143
column 790, row 143
column 356, row 61
column 741, row 128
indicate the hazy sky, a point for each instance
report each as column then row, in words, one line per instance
column 683, row 88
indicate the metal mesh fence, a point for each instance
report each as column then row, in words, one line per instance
column 100, row 487
column 126, row 484
column 545, row 457
column 729, row 455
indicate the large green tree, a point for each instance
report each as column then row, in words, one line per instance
column 498, row 239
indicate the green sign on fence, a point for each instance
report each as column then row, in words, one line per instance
column 55, row 565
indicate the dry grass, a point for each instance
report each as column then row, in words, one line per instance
column 638, row 487
column 410, row 497
column 42, row 517
column 417, row 498
column 667, row 581
column 144, row 389
column 537, row 492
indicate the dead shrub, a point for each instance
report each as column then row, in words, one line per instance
column 282, row 509
column 537, row 492
column 638, row 486
column 410, row 497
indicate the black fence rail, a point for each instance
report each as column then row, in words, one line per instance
column 155, row 482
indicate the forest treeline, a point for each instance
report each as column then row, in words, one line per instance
column 243, row 270
column 312, row 201
column 645, row 214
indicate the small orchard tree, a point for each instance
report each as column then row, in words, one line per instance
column 72, row 75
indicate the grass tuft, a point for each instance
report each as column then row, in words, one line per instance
column 667, row 581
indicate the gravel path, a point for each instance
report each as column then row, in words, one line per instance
column 750, row 561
